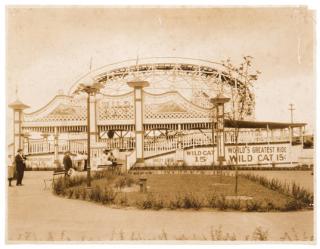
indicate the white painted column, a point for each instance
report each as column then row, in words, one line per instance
column 93, row 120
column 301, row 130
column 26, row 143
column 18, row 136
column 138, row 117
column 179, row 150
column 56, row 146
column 17, row 108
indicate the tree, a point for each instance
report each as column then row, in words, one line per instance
column 242, row 98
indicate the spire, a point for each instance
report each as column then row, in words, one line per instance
column 17, row 104
column 17, row 92
column 90, row 67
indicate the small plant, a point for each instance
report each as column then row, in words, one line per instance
column 157, row 203
column 120, row 182
column 216, row 234
column 191, row 201
column 70, row 193
column 59, row 186
column 77, row 193
column 129, row 180
column 108, row 196
column 260, row 234
column 145, row 202
column 253, row 205
column 122, row 200
column 108, row 175
column 163, row 235
column 83, row 193
column 268, row 205
column 175, row 202
column 212, row 200
column 292, row 205
column 300, row 194
column 234, row 204
column 95, row 194
column 221, row 203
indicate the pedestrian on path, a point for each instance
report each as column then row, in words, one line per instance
column 20, row 161
column 11, row 170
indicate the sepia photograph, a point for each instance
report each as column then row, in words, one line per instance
column 160, row 124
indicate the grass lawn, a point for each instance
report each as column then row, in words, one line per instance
column 172, row 191
column 168, row 190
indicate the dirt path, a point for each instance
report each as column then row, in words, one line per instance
column 35, row 214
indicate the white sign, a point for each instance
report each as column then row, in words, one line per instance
column 265, row 154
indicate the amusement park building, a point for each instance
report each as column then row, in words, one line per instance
column 162, row 117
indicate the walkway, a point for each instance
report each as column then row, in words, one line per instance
column 35, row 214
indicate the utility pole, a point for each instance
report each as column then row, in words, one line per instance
column 90, row 90
column 291, row 109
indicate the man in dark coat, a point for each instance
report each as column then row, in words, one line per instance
column 20, row 166
column 67, row 162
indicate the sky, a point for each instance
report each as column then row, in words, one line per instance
column 48, row 49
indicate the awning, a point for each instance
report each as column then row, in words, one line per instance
column 260, row 124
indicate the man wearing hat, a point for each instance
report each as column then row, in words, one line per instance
column 67, row 162
column 20, row 161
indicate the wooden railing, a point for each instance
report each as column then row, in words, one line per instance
column 154, row 145
column 126, row 143
column 38, row 147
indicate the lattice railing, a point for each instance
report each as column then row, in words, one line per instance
column 39, row 147
column 126, row 143
column 155, row 145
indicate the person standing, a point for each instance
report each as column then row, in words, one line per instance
column 85, row 161
column 11, row 170
column 67, row 162
column 20, row 166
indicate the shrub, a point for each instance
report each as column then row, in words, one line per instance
column 70, row 193
column 122, row 200
column 77, row 193
column 120, row 182
column 157, row 203
column 151, row 201
column 83, row 193
column 146, row 202
column 301, row 194
column 234, row 204
column 95, row 194
column 297, row 192
column 129, row 180
column 109, row 175
column 212, row 200
column 268, row 205
column 253, row 205
column 292, row 205
column 108, row 195
column 221, row 203
column 191, row 201
column 175, row 202
column 59, row 186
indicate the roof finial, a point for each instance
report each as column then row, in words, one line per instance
column 90, row 67
column 136, row 73
column 17, row 91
